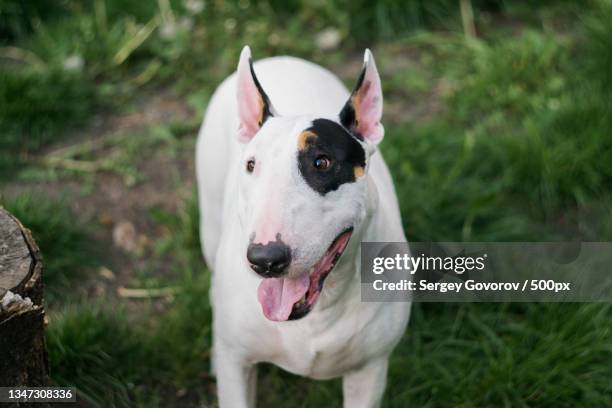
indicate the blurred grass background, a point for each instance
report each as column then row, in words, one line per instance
column 501, row 136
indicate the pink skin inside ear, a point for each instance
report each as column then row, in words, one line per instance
column 250, row 104
column 368, row 105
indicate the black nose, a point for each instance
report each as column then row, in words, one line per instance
column 270, row 260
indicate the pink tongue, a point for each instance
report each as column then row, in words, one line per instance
column 278, row 295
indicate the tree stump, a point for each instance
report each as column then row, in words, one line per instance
column 23, row 353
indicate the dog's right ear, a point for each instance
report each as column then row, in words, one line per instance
column 254, row 106
column 363, row 111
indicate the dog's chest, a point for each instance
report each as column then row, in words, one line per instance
column 319, row 350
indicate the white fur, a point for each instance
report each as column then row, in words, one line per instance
column 341, row 336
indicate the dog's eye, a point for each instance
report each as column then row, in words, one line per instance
column 322, row 163
column 250, row 165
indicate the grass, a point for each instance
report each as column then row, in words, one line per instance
column 516, row 154
column 511, row 355
column 93, row 55
column 519, row 150
column 85, row 344
column 112, row 362
column 31, row 116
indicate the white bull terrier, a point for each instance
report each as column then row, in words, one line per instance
column 287, row 193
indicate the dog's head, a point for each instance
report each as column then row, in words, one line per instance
column 303, row 187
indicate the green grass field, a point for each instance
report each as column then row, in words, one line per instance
column 503, row 137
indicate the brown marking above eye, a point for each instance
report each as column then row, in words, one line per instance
column 262, row 111
column 305, row 138
column 358, row 170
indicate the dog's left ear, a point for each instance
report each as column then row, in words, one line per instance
column 362, row 112
column 254, row 106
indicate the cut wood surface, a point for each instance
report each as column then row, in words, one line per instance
column 23, row 354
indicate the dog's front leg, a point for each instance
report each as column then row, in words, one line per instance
column 364, row 388
column 236, row 380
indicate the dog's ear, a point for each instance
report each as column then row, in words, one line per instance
column 362, row 112
column 254, row 106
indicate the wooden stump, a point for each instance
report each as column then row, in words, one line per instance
column 23, row 353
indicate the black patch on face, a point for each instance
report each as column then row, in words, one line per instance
column 348, row 118
column 336, row 143
column 267, row 111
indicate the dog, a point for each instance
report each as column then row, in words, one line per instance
column 290, row 182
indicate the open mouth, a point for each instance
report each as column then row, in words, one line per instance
column 293, row 298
